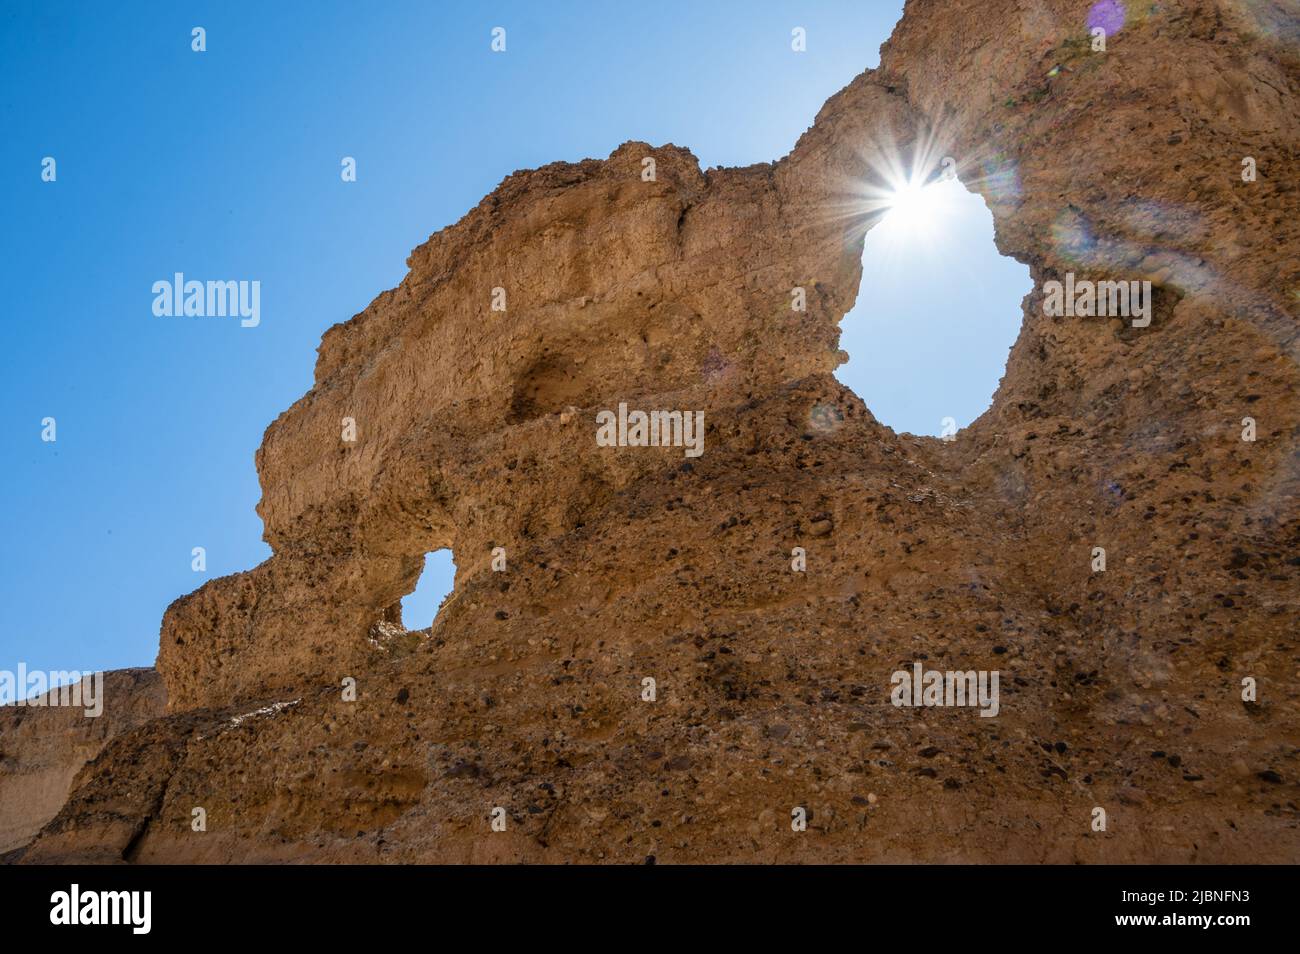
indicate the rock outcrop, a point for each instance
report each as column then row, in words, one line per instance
column 475, row 430
column 672, row 293
column 42, row 748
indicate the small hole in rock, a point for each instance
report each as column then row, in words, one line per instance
column 421, row 606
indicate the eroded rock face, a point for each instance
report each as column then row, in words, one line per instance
column 1120, row 690
column 42, row 748
column 674, row 293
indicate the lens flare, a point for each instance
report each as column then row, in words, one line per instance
column 910, row 195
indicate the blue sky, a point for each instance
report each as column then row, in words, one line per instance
column 225, row 164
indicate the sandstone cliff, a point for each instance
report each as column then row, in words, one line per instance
column 43, row 748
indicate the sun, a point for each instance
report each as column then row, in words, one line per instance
column 908, row 197
column 916, row 210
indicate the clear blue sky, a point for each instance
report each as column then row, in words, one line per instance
column 225, row 164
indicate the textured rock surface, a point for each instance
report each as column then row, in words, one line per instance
column 475, row 429
column 674, row 294
column 42, row 749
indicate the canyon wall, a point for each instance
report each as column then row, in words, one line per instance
column 1121, row 690
column 474, row 427
column 42, row 748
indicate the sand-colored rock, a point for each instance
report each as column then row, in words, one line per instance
column 43, row 747
column 674, row 293
column 475, row 429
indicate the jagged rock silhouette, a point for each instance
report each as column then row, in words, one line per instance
column 475, row 429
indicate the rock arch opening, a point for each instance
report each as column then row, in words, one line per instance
column 937, row 312
column 420, row 606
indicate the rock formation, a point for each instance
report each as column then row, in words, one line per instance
column 475, row 429
column 43, row 748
